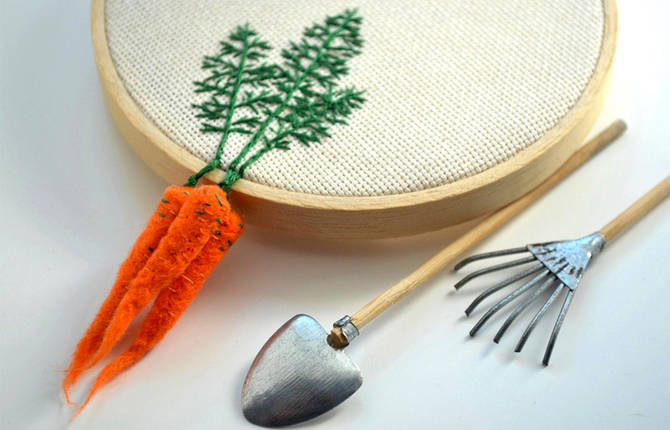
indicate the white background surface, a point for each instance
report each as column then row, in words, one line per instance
column 74, row 197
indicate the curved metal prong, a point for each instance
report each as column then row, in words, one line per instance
column 484, row 255
column 502, row 284
column 536, row 318
column 557, row 327
column 495, row 268
column 505, row 300
column 515, row 313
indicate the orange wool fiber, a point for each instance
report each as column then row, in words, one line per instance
column 187, row 235
column 156, row 228
column 173, row 301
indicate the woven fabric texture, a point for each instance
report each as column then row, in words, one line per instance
column 453, row 87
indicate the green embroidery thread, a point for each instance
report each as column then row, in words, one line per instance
column 278, row 104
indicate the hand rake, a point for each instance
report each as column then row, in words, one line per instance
column 554, row 266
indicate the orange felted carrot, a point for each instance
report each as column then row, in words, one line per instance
column 271, row 106
column 187, row 235
column 173, row 301
column 173, row 198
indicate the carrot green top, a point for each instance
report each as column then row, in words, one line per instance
column 276, row 105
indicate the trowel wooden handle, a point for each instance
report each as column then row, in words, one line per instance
column 487, row 226
column 637, row 210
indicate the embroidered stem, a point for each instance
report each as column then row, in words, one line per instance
column 313, row 65
column 341, row 103
column 294, row 110
column 229, row 116
column 233, row 77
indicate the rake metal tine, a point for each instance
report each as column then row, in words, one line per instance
column 500, row 285
column 557, row 327
column 515, row 313
column 508, row 298
column 495, row 268
column 484, row 255
column 536, row 318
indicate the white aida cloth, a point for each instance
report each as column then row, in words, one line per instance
column 453, row 87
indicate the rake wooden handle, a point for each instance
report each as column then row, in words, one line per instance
column 637, row 210
column 482, row 230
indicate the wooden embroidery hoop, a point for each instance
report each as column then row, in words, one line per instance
column 370, row 216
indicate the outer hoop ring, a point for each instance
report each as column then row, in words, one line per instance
column 365, row 217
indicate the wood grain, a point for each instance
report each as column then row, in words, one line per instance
column 637, row 210
column 364, row 217
column 481, row 231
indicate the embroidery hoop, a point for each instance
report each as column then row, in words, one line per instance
column 365, row 216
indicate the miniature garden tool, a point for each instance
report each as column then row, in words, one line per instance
column 552, row 266
column 302, row 372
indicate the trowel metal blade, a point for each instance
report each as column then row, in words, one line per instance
column 297, row 375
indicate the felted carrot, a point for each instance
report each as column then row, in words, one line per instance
column 184, row 240
column 272, row 106
column 158, row 224
column 173, row 301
